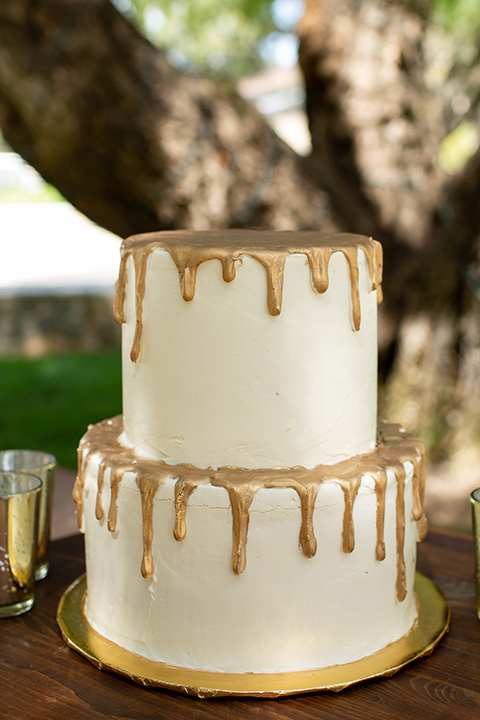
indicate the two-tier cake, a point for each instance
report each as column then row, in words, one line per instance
column 246, row 514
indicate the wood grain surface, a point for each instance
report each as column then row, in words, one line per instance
column 42, row 679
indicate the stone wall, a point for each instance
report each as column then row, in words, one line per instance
column 41, row 324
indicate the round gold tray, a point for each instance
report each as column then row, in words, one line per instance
column 434, row 618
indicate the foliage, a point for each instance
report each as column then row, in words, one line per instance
column 48, row 402
column 452, row 74
column 239, row 37
column 458, row 147
column 459, row 17
column 234, row 37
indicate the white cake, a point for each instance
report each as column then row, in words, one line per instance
column 245, row 514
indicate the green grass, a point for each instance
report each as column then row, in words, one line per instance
column 47, row 194
column 47, row 403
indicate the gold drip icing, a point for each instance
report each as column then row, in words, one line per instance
column 184, row 487
column 395, row 447
column 116, row 474
column 422, row 528
column 388, row 433
column 148, row 487
column 418, row 499
column 380, row 479
column 77, row 493
column 189, row 250
column 99, row 513
column 400, row 507
column 350, row 489
column 120, row 291
column 241, row 496
column 307, row 491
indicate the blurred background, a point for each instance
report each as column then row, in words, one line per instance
column 341, row 115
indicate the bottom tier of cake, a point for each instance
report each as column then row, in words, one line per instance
column 250, row 571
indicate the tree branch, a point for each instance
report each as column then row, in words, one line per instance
column 132, row 142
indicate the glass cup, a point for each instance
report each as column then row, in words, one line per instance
column 41, row 464
column 19, row 503
column 475, row 500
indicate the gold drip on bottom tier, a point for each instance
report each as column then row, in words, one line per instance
column 394, row 448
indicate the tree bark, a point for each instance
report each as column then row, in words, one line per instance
column 375, row 128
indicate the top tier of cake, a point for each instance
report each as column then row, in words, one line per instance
column 249, row 349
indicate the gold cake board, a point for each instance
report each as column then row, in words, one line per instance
column 434, row 618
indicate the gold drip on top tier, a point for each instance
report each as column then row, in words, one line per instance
column 189, row 250
column 395, row 447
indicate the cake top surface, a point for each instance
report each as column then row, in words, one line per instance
column 283, row 242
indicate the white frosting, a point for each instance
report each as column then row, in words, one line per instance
column 285, row 612
column 220, row 381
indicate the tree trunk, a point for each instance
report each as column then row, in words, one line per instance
column 371, row 117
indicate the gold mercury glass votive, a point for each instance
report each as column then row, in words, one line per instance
column 475, row 500
column 19, row 503
column 43, row 465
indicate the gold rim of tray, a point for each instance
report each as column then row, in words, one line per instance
column 433, row 622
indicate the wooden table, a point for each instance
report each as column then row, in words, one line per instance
column 42, row 679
